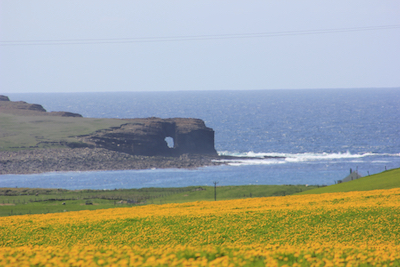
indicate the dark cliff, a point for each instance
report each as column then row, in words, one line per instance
column 148, row 137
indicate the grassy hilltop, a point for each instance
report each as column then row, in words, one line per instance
column 30, row 126
column 384, row 180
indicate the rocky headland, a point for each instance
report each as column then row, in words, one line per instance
column 134, row 144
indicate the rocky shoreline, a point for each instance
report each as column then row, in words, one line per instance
column 92, row 159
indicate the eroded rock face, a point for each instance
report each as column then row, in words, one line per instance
column 147, row 137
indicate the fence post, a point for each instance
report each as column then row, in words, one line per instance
column 215, row 191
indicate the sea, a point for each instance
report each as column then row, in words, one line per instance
column 318, row 135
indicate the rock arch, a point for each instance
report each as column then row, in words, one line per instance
column 147, row 137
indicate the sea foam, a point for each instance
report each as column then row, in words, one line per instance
column 257, row 158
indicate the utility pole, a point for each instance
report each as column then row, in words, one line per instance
column 215, row 191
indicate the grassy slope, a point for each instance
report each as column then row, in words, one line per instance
column 17, row 201
column 232, row 192
column 25, row 201
column 24, row 131
column 385, row 180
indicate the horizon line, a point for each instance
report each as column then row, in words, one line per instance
column 206, row 90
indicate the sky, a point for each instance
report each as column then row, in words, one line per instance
column 178, row 45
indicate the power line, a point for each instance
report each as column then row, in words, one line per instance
column 193, row 37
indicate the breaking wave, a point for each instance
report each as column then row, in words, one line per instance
column 258, row 158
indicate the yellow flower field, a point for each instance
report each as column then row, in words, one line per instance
column 338, row 229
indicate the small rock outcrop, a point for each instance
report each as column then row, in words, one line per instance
column 148, row 137
column 4, row 98
column 64, row 114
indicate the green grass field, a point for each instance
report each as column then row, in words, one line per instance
column 21, row 132
column 385, row 180
column 18, row 201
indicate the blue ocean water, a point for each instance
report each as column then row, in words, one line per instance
column 321, row 133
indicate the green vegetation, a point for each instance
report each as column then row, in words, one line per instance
column 385, row 180
column 22, row 132
column 233, row 192
column 18, row 201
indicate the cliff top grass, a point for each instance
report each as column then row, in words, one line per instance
column 384, row 180
column 30, row 126
column 18, row 132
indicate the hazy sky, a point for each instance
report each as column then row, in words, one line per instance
column 127, row 45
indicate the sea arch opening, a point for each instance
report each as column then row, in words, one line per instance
column 170, row 141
